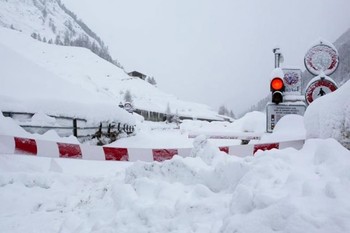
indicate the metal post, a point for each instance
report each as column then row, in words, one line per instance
column 75, row 128
column 245, row 142
column 277, row 57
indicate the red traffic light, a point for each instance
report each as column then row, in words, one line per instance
column 277, row 84
column 277, row 89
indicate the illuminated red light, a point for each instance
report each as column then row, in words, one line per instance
column 277, row 84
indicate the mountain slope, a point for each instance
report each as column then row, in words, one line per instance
column 28, row 86
column 50, row 21
column 342, row 74
column 80, row 68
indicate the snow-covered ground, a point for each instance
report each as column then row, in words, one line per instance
column 278, row 190
column 285, row 190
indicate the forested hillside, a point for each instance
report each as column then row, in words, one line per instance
column 51, row 22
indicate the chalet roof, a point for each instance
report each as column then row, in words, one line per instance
column 136, row 74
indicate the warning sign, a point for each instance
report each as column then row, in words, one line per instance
column 128, row 107
column 319, row 88
column 275, row 112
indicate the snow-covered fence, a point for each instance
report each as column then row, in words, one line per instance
column 159, row 116
column 66, row 126
column 42, row 148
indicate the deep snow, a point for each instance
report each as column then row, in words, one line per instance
column 329, row 117
column 287, row 191
column 279, row 190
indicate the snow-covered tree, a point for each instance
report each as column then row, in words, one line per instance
column 58, row 40
column 223, row 110
column 151, row 80
column 44, row 11
column 232, row 115
column 226, row 112
column 66, row 40
column 127, row 96
column 34, row 35
column 52, row 25
column 168, row 110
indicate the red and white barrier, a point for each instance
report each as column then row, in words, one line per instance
column 41, row 148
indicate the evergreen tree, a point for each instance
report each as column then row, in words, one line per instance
column 97, row 46
column 58, row 40
column 128, row 97
column 94, row 48
column 168, row 110
column 66, row 40
column 152, row 81
column 232, row 115
column 117, row 63
column 52, row 26
column 223, row 110
column 44, row 11
column 69, row 25
column 176, row 118
column 34, row 35
column 169, row 116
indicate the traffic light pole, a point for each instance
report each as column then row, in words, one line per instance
column 277, row 53
column 285, row 87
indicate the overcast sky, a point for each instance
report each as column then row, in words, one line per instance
column 212, row 52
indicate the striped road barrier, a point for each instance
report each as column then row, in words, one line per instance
column 44, row 148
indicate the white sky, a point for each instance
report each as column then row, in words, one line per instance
column 212, row 52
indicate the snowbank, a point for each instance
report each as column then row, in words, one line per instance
column 329, row 116
column 278, row 190
column 290, row 127
column 251, row 122
column 9, row 126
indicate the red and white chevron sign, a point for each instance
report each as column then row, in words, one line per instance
column 42, row 148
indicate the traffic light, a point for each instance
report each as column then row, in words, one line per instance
column 277, row 89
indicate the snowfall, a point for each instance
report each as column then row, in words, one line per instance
column 285, row 190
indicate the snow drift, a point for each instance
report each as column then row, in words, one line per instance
column 329, row 116
column 279, row 190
